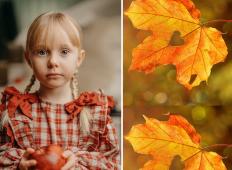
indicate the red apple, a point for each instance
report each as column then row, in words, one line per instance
column 49, row 158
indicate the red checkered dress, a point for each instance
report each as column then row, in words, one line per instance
column 35, row 123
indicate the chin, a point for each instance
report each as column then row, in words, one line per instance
column 54, row 84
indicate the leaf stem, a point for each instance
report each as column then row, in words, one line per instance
column 218, row 145
column 215, row 21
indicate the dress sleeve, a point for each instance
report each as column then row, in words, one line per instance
column 9, row 155
column 98, row 150
column 107, row 156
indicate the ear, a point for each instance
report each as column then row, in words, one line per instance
column 81, row 57
column 26, row 55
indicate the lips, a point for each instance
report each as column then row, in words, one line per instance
column 54, row 75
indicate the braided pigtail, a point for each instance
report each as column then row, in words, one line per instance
column 4, row 118
column 74, row 85
column 85, row 113
column 29, row 86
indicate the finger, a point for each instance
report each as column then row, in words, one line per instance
column 67, row 154
column 69, row 167
column 28, row 152
column 29, row 163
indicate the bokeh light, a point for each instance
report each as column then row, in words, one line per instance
column 198, row 113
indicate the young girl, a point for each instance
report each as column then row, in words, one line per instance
column 55, row 114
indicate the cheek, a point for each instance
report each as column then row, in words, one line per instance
column 71, row 65
column 70, row 71
column 38, row 62
column 39, row 67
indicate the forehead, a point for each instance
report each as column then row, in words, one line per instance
column 55, row 37
column 52, row 32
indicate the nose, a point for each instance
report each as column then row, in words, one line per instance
column 52, row 61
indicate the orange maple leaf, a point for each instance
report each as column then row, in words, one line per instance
column 165, row 140
column 183, row 123
column 178, row 38
column 195, row 13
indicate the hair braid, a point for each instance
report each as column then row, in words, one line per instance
column 85, row 113
column 4, row 118
column 74, row 85
column 29, row 86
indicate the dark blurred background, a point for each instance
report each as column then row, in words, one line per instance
column 15, row 17
column 207, row 107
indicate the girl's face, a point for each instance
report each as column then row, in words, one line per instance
column 55, row 63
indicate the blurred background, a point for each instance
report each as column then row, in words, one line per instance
column 207, row 107
column 101, row 24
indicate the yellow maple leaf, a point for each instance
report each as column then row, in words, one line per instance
column 177, row 39
column 164, row 140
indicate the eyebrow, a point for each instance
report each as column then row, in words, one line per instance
column 65, row 46
column 40, row 46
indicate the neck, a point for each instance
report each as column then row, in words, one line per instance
column 59, row 95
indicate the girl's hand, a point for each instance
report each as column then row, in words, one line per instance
column 71, row 159
column 25, row 164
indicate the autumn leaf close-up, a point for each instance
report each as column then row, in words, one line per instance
column 178, row 73
column 177, row 37
column 175, row 137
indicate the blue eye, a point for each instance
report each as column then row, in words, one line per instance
column 64, row 51
column 42, row 52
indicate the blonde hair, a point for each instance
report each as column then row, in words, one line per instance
column 44, row 24
column 41, row 27
column 3, row 119
column 85, row 113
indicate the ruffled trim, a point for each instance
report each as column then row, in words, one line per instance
column 87, row 99
column 24, row 101
column 12, row 100
column 17, row 100
column 111, row 103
